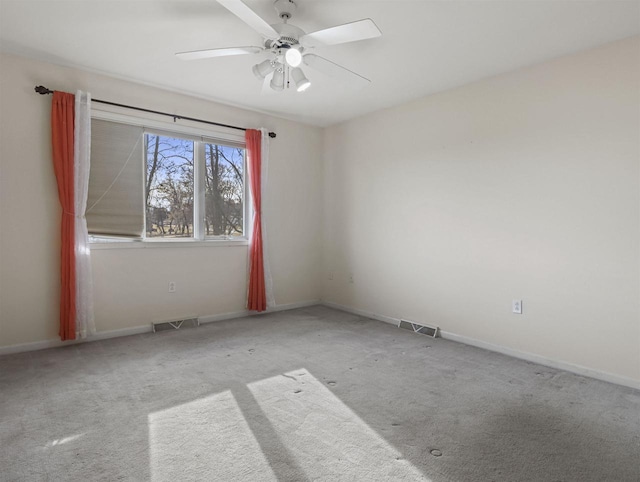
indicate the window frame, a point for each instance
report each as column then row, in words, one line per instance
column 201, row 136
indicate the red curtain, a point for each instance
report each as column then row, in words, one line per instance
column 257, row 299
column 62, row 123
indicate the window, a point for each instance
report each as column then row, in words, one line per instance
column 153, row 184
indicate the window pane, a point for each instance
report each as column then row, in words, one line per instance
column 169, row 187
column 224, row 187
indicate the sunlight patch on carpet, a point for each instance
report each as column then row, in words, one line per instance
column 327, row 439
column 206, row 439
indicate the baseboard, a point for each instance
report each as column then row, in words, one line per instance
column 223, row 316
column 136, row 330
column 366, row 314
column 101, row 335
column 541, row 360
column 243, row 313
column 293, row 306
column 531, row 357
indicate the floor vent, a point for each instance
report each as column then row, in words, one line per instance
column 191, row 322
column 432, row 331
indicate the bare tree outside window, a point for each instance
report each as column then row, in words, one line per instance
column 169, row 187
column 223, row 190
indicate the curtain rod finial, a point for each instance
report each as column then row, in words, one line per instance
column 42, row 90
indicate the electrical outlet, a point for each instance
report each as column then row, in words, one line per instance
column 172, row 286
column 351, row 278
column 516, row 306
column 331, row 275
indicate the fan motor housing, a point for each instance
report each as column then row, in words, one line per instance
column 288, row 36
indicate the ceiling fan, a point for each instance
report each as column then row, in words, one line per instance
column 288, row 46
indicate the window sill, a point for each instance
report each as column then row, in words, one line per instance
column 182, row 243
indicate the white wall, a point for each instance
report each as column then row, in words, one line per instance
column 525, row 185
column 131, row 284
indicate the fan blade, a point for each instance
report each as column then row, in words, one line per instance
column 251, row 18
column 349, row 32
column 209, row 53
column 332, row 69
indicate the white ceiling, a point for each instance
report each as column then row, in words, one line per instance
column 426, row 47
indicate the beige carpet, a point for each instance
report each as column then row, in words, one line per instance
column 309, row 394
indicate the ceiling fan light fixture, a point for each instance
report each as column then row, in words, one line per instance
column 287, row 45
column 263, row 69
column 299, row 79
column 277, row 82
column 293, row 57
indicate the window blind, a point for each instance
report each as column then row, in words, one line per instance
column 116, row 201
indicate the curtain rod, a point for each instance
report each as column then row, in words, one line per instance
column 44, row 91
